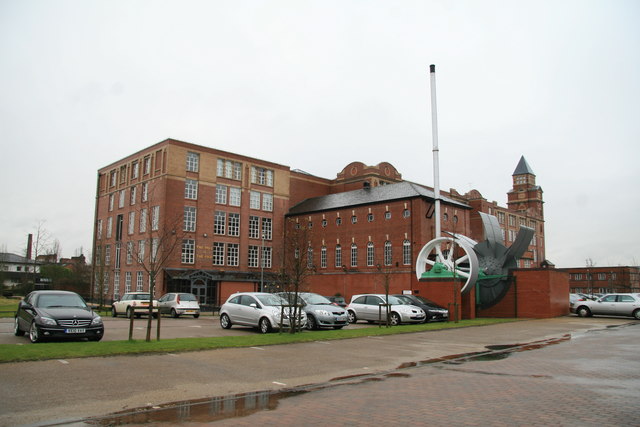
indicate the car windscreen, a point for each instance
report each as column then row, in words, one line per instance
column 188, row 297
column 59, row 300
column 271, row 299
column 395, row 300
column 141, row 297
column 316, row 299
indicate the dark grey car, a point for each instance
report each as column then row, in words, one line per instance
column 321, row 313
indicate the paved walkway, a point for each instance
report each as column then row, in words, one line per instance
column 587, row 378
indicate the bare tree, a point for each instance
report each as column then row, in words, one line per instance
column 297, row 265
column 163, row 236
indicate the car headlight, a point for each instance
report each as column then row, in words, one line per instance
column 321, row 312
column 47, row 321
column 96, row 321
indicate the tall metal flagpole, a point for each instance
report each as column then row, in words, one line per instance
column 436, row 164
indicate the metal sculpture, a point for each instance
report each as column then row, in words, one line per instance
column 484, row 265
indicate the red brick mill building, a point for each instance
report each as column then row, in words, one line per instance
column 230, row 211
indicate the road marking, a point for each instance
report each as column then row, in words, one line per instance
column 323, row 342
column 195, row 326
column 277, row 383
column 257, row 348
column 64, row 362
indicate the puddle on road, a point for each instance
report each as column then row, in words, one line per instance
column 239, row 405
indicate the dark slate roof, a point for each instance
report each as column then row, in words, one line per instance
column 523, row 168
column 8, row 258
column 365, row 196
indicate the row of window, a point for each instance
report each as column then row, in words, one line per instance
column 232, row 170
column 371, row 260
column 514, row 220
column 354, row 219
column 145, row 164
column 133, row 196
column 143, row 222
column 600, row 276
column 227, row 254
column 231, row 195
column 128, row 277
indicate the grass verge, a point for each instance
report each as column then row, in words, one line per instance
column 68, row 350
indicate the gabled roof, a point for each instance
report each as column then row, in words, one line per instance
column 8, row 258
column 523, row 168
column 365, row 196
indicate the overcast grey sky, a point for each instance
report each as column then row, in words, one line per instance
column 316, row 85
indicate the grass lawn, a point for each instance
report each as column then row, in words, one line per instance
column 8, row 306
column 67, row 350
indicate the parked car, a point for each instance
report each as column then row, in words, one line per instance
column 57, row 314
column 372, row 308
column 321, row 313
column 339, row 301
column 610, row 304
column 258, row 309
column 133, row 303
column 178, row 303
column 433, row 311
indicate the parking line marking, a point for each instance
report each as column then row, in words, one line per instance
column 323, row 342
column 276, row 382
column 195, row 326
column 257, row 348
column 64, row 362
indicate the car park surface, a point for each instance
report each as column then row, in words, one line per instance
column 56, row 315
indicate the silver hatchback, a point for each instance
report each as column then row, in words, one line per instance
column 258, row 309
column 321, row 313
column 609, row 305
column 373, row 308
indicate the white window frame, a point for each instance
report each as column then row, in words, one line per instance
column 235, row 196
column 189, row 223
column 193, row 161
column 188, row 253
column 191, row 189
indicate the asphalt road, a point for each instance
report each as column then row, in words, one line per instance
column 351, row 381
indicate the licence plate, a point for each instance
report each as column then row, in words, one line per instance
column 189, row 311
column 75, row 331
column 341, row 318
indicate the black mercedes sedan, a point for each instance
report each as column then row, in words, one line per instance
column 434, row 311
column 57, row 314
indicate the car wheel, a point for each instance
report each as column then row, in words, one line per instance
column 114, row 313
column 174, row 313
column 351, row 316
column 394, row 319
column 311, row 323
column 225, row 322
column 129, row 312
column 636, row 314
column 584, row 312
column 195, row 316
column 16, row 328
column 265, row 325
column 34, row 333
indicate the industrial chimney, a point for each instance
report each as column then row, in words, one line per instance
column 29, row 244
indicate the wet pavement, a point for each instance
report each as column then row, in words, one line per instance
column 564, row 371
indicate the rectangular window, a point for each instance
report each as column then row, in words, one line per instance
column 132, row 222
column 155, row 217
column 235, row 196
column 135, row 169
column 219, row 220
column 370, row 254
column 127, row 281
column 218, row 253
column 189, row 218
column 188, row 251
column 267, row 202
column 109, row 227
column 143, row 220
column 266, row 257
column 406, row 252
column 388, row 253
column 145, row 191
column 112, row 178
column 253, row 256
column 141, row 250
column 123, row 174
column 512, row 220
column 310, row 257
column 129, row 252
column 155, row 245
column 338, row 256
column 323, row 257
column 139, row 281
column 190, row 189
column 116, row 283
column 229, row 169
column 146, row 165
column 254, row 227
column 111, row 201
column 261, row 176
column 232, row 254
column 121, row 198
column 193, row 162
column 99, row 227
column 254, row 202
column 107, row 255
column 221, row 194
column 133, row 192
column 266, row 228
column 234, row 224
column 354, row 255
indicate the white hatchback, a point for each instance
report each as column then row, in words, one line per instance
column 178, row 303
column 260, row 310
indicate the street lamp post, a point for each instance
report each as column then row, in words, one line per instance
column 262, row 265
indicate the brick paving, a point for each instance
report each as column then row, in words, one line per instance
column 589, row 381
